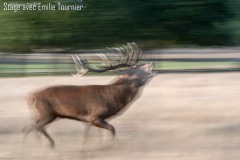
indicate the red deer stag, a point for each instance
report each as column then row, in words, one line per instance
column 92, row 104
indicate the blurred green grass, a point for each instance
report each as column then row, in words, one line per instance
column 8, row 70
column 189, row 65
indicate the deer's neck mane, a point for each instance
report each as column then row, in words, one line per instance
column 124, row 90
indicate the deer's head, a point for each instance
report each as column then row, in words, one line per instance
column 141, row 74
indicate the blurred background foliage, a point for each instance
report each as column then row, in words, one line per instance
column 152, row 24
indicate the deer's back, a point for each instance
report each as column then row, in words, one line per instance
column 92, row 101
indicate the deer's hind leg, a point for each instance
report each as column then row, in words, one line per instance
column 45, row 117
column 41, row 128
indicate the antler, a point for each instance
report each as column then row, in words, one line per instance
column 128, row 55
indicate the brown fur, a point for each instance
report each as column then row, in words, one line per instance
column 92, row 104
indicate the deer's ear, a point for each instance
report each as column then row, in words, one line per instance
column 147, row 67
column 133, row 77
column 124, row 76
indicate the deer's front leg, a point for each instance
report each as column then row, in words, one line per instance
column 103, row 124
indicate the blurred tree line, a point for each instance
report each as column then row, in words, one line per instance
column 151, row 24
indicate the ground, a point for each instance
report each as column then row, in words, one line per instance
column 178, row 116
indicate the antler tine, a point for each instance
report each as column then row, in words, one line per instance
column 105, row 60
column 79, row 66
column 137, row 53
column 75, row 75
column 124, row 57
column 131, row 53
column 118, row 52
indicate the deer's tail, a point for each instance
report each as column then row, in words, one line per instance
column 31, row 100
